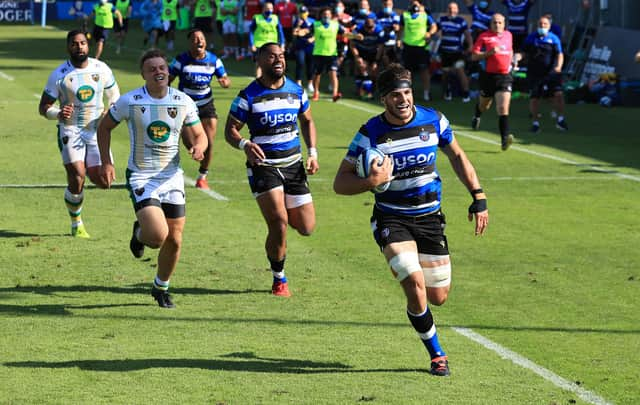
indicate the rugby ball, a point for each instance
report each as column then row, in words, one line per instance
column 367, row 158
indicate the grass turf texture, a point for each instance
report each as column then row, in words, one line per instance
column 555, row 279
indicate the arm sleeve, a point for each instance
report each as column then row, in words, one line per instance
column 445, row 133
column 280, row 34
column 51, row 89
column 359, row 143
column 220, row 70
column 120, row 110
column 240, row 108
column 191, row 117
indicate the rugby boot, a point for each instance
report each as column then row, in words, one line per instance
column 162, row 297
column 280, row 289
column 440, row 366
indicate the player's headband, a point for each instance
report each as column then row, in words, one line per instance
column 394, row 85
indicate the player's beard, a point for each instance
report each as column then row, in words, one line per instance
column 79, row 59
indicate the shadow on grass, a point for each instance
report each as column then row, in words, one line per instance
column 141, row 288
column 64, row 310
column 245, row 361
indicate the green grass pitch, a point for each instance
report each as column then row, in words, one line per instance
column 555, row 280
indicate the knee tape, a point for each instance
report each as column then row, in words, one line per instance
column 403, row 264
column 437, row 270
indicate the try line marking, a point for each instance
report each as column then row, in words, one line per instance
column 503, row 352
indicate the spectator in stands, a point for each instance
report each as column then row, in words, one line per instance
column 286, row 10
column 346, row 21
column 481, row 16
column 545, row 59
column 417, row 27
column 455, row 42
column 303, row 47
column 389, row 20
column 364, row 12
column 518, row 24
column 366, row 47
column 151, row 11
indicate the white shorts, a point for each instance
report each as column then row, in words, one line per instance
column 166, row 190
column 78, row 145
column 229, row 27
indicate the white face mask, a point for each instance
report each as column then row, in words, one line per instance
column 543, row 31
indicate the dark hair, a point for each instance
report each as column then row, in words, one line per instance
column 193, row 31
column 393, row 73
column 263, row 48
column 73, row 33
column 323, row 9
column 151, row 53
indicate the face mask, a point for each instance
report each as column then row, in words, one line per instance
column 414, row 9
column 543, row 31
column 326, row 20
column 364, row 11
column 268, row 13
column 388, row 10
column 339, row 10
column 483, row 4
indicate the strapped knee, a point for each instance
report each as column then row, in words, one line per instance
column 403, row 264
column 437, row 270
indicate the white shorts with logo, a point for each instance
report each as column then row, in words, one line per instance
column 79, row 145
column 166, row 190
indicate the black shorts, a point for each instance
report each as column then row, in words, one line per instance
column 490, row 83
column 545, row 86
column 369, row 57
column 170, row 210
column 449, row 59
column 322, row 64
column 416, row 58
column 121, row 28
column 203, row 24
column 100, row 33
column 293, row 179
column 207, row 110
column 426, row 230
column 390, row 52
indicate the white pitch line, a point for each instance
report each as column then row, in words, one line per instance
column 548, row 375
column 515, row 147
column 6, row 76
column 559, row 178
column 210, row 193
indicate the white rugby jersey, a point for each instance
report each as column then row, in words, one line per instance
column 154, row 129
column 84, row 88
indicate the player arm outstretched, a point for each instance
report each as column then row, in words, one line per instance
column 467, row 175
column 308, row 129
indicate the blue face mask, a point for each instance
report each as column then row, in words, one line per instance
column 387, row 10
column 364, row 11
column 483, row 4
column 339, row 10
column 268, row 13
column 543, row 31
column 326, row 20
